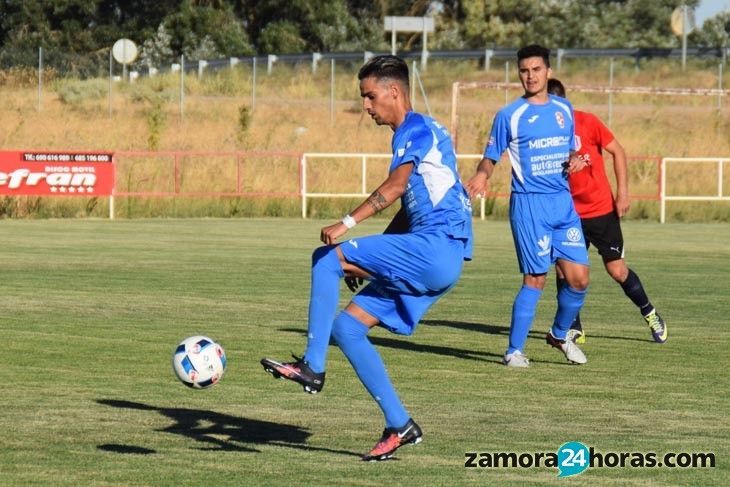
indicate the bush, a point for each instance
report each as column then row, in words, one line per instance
column 76, row 92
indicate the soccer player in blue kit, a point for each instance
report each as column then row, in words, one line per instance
column 410, row 266
column 537, row 130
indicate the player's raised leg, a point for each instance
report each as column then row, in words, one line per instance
column 328, row 267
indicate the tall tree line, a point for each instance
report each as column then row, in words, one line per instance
column 206, row 29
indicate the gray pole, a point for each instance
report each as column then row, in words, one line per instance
column 413, row 86
column 506, row 80
column 332, row 91
column 124, row 64
column 719, row 87
column 684, row 37
column 424, row 50
column 253, row 85
column 610, row 94
column 182, row 84
column 40, row 75
column 110, row 83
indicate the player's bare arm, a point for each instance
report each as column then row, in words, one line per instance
column 388, row 192
column 620, row 169
column 477, row 185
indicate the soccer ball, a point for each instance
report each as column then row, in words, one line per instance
column 199, row 362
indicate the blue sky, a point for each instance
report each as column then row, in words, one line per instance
column 709, row 8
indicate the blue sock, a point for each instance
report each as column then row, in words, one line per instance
column 351, row 336
column 324, row 297
column 570, row 301
column 523, row 312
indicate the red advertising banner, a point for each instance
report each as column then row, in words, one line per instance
column 56, row 173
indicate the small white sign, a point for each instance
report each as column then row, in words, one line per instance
column 409, row 24
column 124, row 51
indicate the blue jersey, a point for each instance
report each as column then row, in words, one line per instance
column 539, row 139
column 434, row 199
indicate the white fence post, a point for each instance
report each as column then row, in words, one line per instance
column 270, row 60
column 304, row 185
column 488, row 53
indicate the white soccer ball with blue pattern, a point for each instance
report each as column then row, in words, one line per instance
column 199, row 362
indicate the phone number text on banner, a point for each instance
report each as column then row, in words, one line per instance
column 56, row 173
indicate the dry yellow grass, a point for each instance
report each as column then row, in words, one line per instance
column 292, row 113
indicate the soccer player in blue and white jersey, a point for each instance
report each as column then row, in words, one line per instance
column 537, row 130
column 413, row 264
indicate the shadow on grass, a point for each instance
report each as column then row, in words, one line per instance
column 479, row 327
column 449, row 351
column 504, row 330
column 116, row 448
column 223, row 431
column 423, row 348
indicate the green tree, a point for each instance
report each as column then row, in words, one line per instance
column 206, row 30
column 715, row 31
column 567, row 23
column 289, row 26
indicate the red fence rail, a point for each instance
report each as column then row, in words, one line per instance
column 175, row 176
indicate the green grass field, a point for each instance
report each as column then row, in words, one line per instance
column 91, row 311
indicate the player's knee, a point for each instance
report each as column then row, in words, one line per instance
column 346, row 329
column 326, row 260
column 618, row 276
column 579, row 281
column 617, row 270
column 536, row 281
column 320, row 253
column 580, row 284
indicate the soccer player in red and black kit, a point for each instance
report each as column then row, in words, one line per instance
column 600, row 213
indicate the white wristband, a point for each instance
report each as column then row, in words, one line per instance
column 349, row 221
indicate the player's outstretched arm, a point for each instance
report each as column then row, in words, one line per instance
column 621, row 170
column 477, row 185
column 387, row 193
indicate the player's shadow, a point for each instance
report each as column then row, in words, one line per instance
column 504, row 330
column 423, row 348
column 479, row 327
column 492, row 330
column 219, row 431
column 609, row 337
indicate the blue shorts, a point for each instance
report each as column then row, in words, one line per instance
column 545, row 228
column 410, row 272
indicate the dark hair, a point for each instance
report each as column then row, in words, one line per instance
column 385, row 66
column 555, row 87
column 533, row 50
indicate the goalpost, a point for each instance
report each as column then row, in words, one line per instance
column 458, row 86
